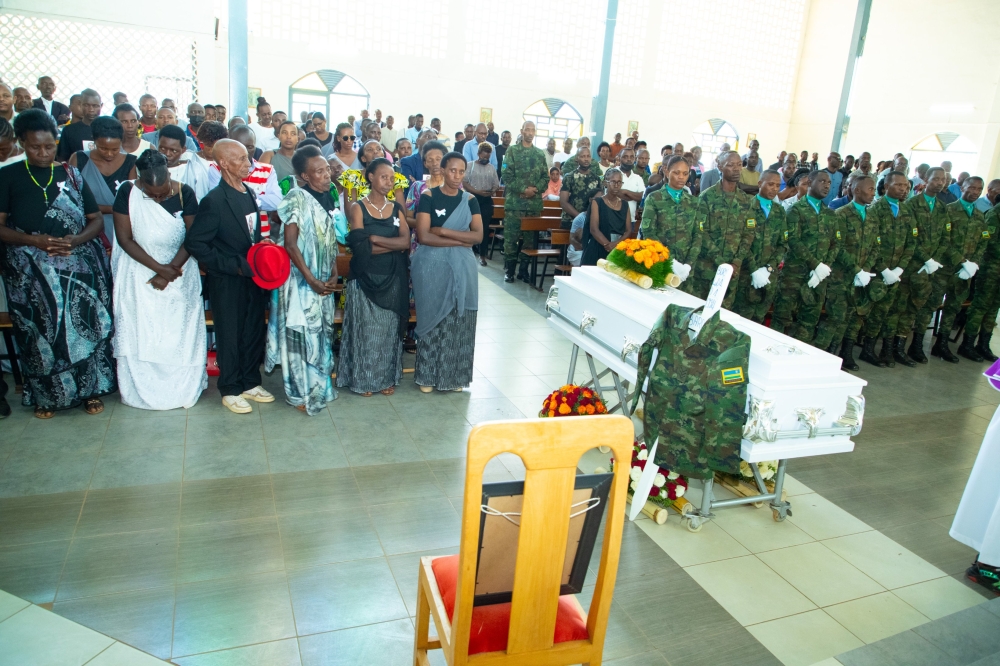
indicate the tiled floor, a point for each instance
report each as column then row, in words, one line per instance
column 209, row 538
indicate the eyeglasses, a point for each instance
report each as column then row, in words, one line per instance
column 348, row 138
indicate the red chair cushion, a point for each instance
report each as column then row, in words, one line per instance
column 488, row 632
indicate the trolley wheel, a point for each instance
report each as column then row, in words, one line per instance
column 758, row 505
column 688, row 509
column 778, row 516
column 694, row 524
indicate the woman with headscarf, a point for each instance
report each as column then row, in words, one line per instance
column 160, row 314
column 301, row 337
column 446, row 282
column 105, row 167
column 56, row 275
column 377, row 303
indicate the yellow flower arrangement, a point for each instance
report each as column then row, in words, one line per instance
column 646, row 257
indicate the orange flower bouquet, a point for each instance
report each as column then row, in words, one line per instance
column 572, row 400
column 645, row 262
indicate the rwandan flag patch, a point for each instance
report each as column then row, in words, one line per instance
column 751, row 223
column 986, row 233
column 732, row 376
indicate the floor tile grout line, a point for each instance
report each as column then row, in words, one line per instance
column 180, row 513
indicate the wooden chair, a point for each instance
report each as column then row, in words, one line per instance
column 550, row 450
column 535, row 225
column 559, row 241
column 7, row 328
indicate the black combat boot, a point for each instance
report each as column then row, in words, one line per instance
column 941, row 349
column 847, row 354
column 916, row 350
column 983, row 346
column 868, row 353
column 885, row 355
column 968, row 348
column 899, row 353
column 522, row 272
column 508, row 270
column 834, row 348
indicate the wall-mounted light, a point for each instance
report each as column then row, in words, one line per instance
column 952, row 109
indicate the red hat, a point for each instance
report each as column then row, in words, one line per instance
column 270, row 263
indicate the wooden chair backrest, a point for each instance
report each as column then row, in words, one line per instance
column 560, row 237
column 548, row 203
column 550, row 449
column 539, row 223
column 344, row 266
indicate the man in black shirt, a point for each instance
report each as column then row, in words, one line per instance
column 226, row 226
column 502, row 149
column 75, row 135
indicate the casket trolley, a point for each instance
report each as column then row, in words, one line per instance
column 799, row 402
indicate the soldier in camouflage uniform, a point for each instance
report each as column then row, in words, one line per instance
column 676, row 219
column 855, row 267
column 981, row 317
column 770, row 242
column 813, row 232
column 895, row 251
column 579, row 187
column 697, row 392
column 570, row 165
column 923, row 284
column 728, row 235
column 525, row 177
column 969, row 236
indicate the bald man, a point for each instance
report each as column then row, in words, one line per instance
column 228, row 223
column 525, row 175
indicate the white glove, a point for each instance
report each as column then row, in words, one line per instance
column 968, row 270
column 898, row 272
column 822, row 271
column 930, row 266
column 682, row 270
column 863, row 278
column 760, row 277
column 889, row 277
column 813, row 280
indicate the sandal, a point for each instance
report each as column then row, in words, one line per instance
column 93, row 406
column 44, row 413
column 367, row 394
column 301, row 408
column 388, row 391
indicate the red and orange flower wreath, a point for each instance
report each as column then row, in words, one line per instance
column 572, row 400
column 667, row 486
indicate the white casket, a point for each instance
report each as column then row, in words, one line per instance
column 800, row 403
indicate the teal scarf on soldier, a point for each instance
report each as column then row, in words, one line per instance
column 930, row 202
column 814, row 202
column 894, row 205
column 861, row 208
column 969, row 206
column 674, row 194
column 765, row 205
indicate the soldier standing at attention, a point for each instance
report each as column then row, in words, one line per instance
column 855, row 268
column 924, row 285
column 969, row 236
column 525, row 176
column 578, row 188
column 982, row 315
column 676, row 219
column 759, row 278
column 728, row 228
column 812, row 248
column 895, row 251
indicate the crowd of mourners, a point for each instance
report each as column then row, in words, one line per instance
column 120, row 232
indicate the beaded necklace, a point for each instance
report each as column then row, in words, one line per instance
column 45, row 188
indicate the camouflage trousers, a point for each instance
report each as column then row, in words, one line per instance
column 702, row 277
column 787, row 301
column 796, row 299
column 924, row 298
column 884, row 316
column 831, row 328
column 512, row 235
column 982, row 314
column 754, row 303
column 859, row 309
column 955, row 294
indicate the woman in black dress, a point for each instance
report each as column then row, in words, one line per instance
column 57, row 277
column 610, row 220
column 105, row 167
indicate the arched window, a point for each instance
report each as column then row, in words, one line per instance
column 554, row 118
column 710, row 135
column 946, row 146
column 334, row 93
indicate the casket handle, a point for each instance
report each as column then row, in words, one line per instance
column 630, row 347
column 552, row 300
column 587, row 320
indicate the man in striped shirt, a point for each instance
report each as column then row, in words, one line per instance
column 262, row 179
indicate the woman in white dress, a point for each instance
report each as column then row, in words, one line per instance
column 159, row 312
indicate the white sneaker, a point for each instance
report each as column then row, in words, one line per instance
column 236, row 404
column 258, row 394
